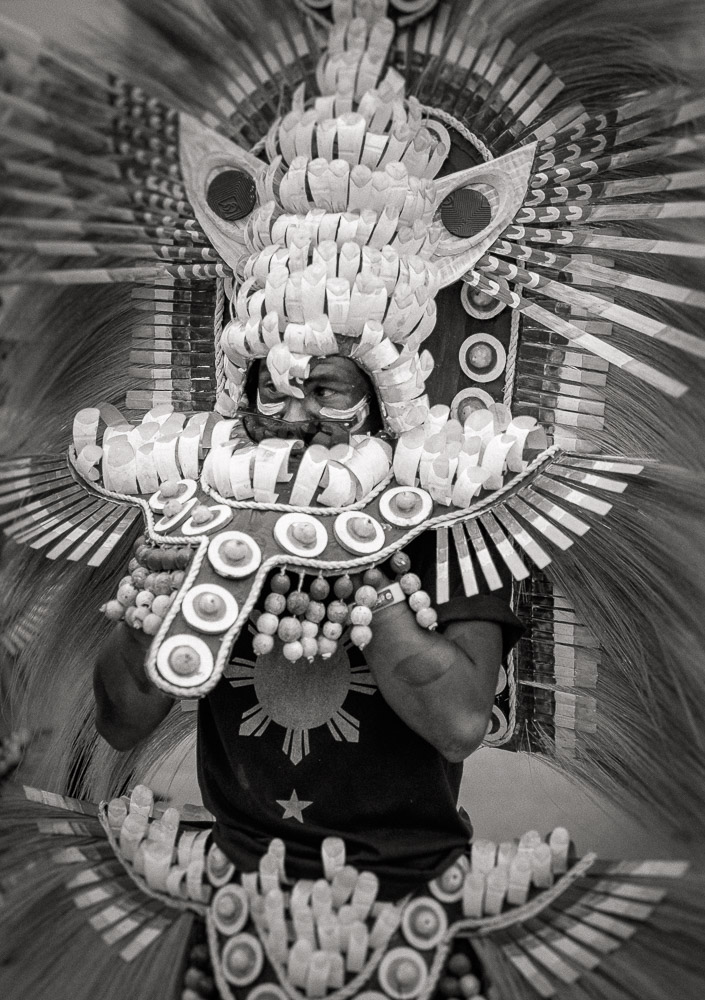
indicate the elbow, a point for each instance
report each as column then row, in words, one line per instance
column 458, row 745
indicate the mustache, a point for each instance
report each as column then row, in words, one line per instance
column 259, row 426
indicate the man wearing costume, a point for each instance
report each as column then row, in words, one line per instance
column 372, row 431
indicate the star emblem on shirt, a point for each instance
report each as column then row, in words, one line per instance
column 294, row 807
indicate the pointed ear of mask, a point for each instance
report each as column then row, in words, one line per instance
column 220, row 180
column 476, row 206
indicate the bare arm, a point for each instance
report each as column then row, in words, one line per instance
column 128, row 706
column 442, row 686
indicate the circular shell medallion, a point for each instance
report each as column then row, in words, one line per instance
column 464, row 402
column 242, row 959
column 482, row 357
column 301, row 534
column 234, row 554
column 209, row 608
column 402, row 973
column 220, row 515
column 184, row 661
column 186, row 488
column 405, row 506
column 359, row 533
column 479, row 304
column 167, row 523
column 424, row 923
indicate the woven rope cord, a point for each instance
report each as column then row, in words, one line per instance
column 220, row 380
column 512, row 352
column 455, row 123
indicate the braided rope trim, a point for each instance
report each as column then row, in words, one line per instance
column 183, row 905
column 512, row 353
column 456, row 124
column 220, row 380
column 485, row 926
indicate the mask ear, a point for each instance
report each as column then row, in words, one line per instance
column 220, row 180
column 476, row 206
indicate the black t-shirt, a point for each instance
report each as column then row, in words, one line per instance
column 304, row 751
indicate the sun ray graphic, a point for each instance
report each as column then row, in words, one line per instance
column 301, row 696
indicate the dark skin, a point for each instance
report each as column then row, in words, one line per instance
column 441, row 685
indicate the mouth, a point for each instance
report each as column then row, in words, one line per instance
column 259, row 427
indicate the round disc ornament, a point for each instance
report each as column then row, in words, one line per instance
column 405, row 506
column 402, row 973
column 424, row 923
column 359, row 533
column 209, row 608
column 185, row 661
column 301, row 534
column 482, row 357
column 234, row 554
column 448, row 887
column 232, row 195
column 267, row 991
column 230, row 909
column 178, row 489
column 480, row 304
column 465, row 213
column 467, row 400
column 167, row 523
column 242, row 959
column 220, row 514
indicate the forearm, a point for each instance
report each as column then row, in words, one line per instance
column 441, row 691
column 128, row 706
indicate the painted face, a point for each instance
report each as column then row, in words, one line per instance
column 337, row 400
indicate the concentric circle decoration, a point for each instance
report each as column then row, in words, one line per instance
column 231, row 194
column 468, row 400
column 242, row 959
column 185, row 489
column 184, row 661
column 220, row 515
column 267, row 991
column 402, row 973
column 424, row 923
column 482, row 357
column 229, row 909
column 358, row 532
column 501, row 681
column 448, row 887
column 301, row 534
column 209, row 608
column 167, row 523
column 405, row 506
column 480, row 304
column 234, row 554
column 465, row 213
column 497, row 728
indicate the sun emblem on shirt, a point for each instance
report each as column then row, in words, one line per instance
column 301, row 696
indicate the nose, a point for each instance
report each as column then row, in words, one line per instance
column 295, row 411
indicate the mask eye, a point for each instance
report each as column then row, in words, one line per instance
column 231, row 195
column 466, row 212
column 475, row 206
column 220, row 181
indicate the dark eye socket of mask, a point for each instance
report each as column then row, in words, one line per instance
column 465, row 213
